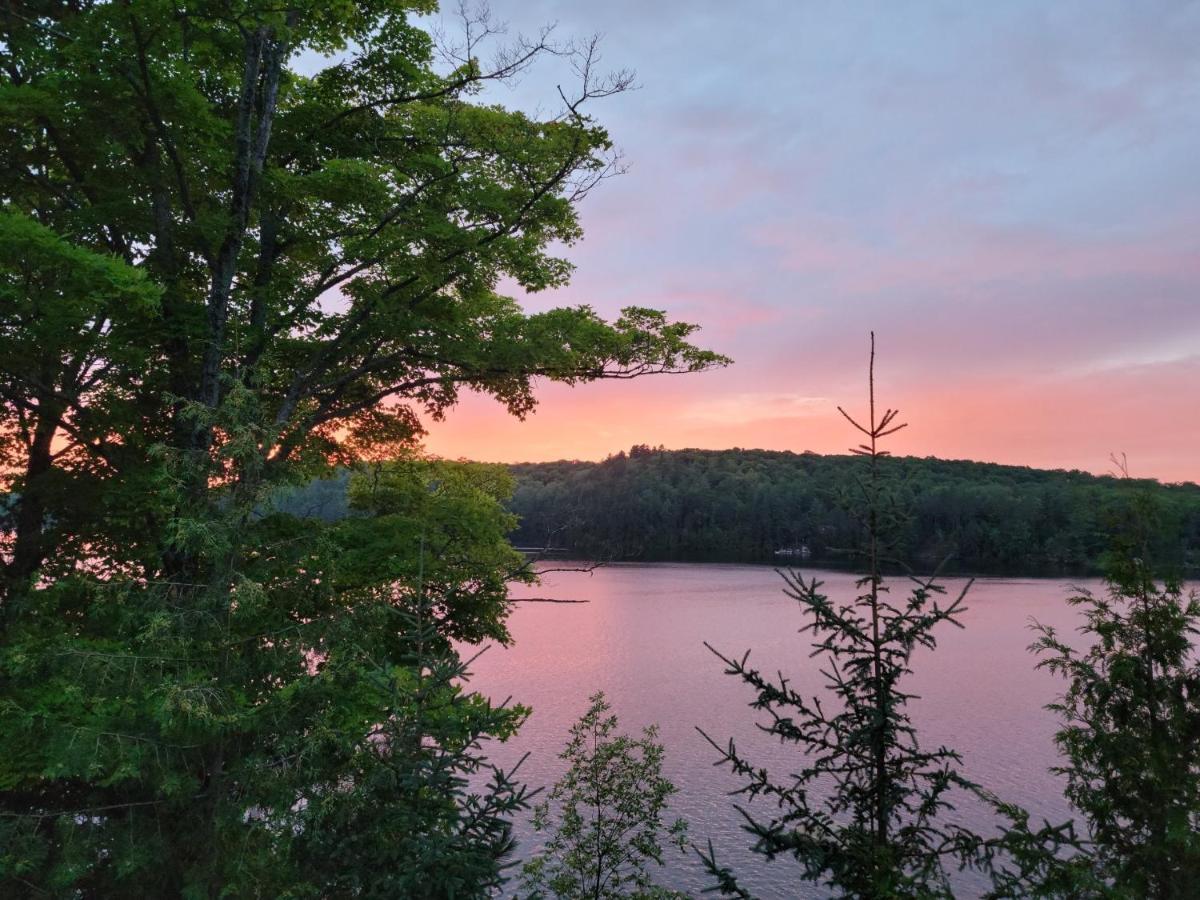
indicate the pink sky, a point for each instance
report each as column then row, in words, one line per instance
column 1065, row 423
column 1008, row 195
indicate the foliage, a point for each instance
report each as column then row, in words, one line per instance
column 66, row 316
column 865, row 816
column 221, row 277
column 743, row 505
column 604, row 815
column 1023, row 860
column 1131, row 723
column 435, row 829
column 450, row 508
column 279, row 742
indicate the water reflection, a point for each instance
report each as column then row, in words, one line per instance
column 640, row 638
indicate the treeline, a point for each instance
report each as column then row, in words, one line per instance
column 744, row 505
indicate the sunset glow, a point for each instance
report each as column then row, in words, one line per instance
column 1006, row 195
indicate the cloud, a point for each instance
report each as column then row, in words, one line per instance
column 1004, row 192
column 742, row 408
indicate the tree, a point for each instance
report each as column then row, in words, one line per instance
column 440, row 822
column 604, row 815
column 330, row 684
column 222, row 277
column 1131, row 721
column 321, row 243
column 865, row 815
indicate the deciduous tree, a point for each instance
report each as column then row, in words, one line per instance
column 222, row 276
column 604, row 816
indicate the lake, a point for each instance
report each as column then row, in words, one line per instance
column 640, row 638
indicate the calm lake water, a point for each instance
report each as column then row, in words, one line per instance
column 640, row 639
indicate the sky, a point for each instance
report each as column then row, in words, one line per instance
column 1008, row 194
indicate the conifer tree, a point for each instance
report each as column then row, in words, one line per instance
column 1130, row 715
column 604, row 816
column 441, row 821
column 865, row 814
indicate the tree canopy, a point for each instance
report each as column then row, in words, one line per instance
column 220, row 276
column 743, row 505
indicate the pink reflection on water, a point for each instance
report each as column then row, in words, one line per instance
column 640, row 638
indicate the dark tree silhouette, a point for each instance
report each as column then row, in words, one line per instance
column 864, row 816
column 1131, row 720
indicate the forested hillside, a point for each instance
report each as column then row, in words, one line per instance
column 744, row 505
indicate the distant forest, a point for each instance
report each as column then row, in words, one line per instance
column 745, row 505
